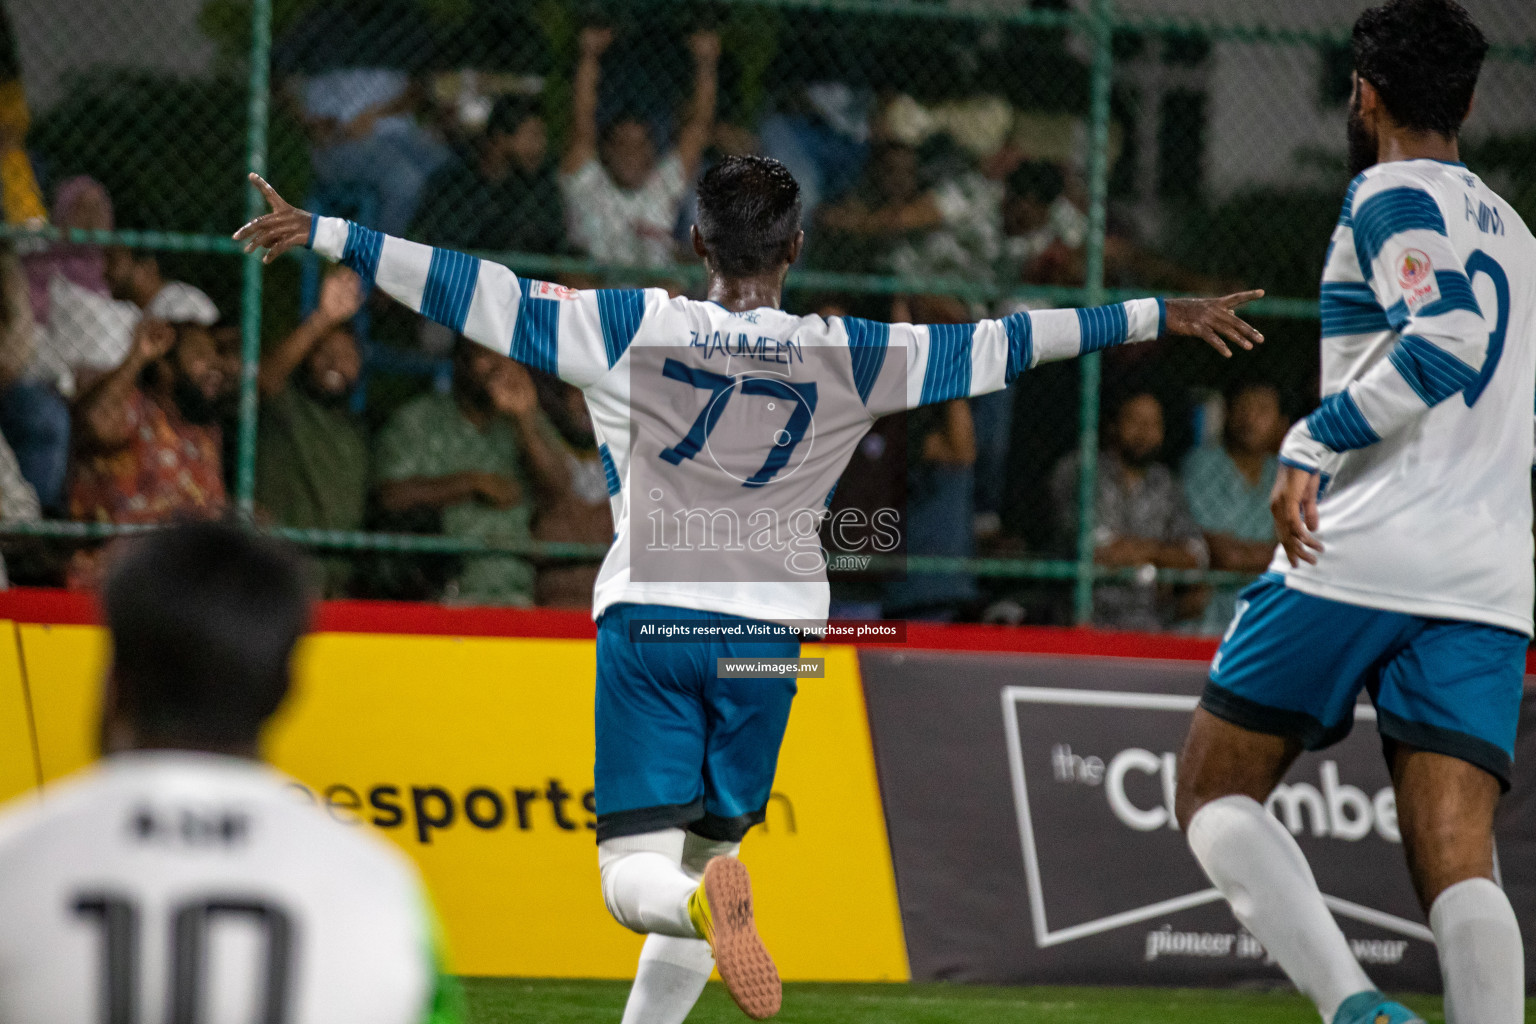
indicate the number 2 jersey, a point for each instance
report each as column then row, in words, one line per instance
column 722, row 434
column 160, row 887
column 1424, row 434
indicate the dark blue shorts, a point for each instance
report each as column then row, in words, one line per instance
column 676, row 746
column 1292, row 665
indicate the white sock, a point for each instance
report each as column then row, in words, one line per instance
column 644, row 884
column 673, row 971
column 1264, row 875
column 671, row 975
column 1481, row 955
column 698, row 852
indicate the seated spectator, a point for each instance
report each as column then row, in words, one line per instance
column 364, row 133
column 134, row 276
column 928, row 215
column 1228, row 493
column 475, row 458
column 621, row 200
column 1141, row 521
column 580, row 514
column 147, row 435
column 505, row 196
column 311, row 452
column 1044, row 232
column 18, row 499
column 34, row 413
column 80, row 202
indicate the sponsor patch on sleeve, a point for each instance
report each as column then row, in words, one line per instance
column 546, row 290
column 1416, row 275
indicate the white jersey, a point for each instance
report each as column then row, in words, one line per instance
column 165, row 887
column 723, row 434
column 1424, row 435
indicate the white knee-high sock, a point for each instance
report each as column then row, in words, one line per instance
column 673, row 971
column 669, row 980
column 644, row 884
column 1264, row 875
column 1481, row 955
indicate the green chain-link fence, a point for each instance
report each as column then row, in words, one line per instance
column 958, row 160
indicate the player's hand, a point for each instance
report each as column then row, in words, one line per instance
column 497, row 491
column 594, row 40
column 284, row 228
column 512, row 391
column 341, row 296
column 1213, row 320
column 705, row 46
column 1293, row 503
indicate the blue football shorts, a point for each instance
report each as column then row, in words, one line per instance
column 1293, row 665
column 678, row 747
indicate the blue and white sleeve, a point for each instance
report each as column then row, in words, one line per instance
column 575, row 335
column 948, row 361
column 1418, row 278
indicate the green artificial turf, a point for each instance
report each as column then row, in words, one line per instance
column 526, row 1001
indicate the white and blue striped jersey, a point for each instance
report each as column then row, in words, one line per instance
column 1424, row 434
column 722, row 434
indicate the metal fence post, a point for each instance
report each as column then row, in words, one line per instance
column 1101, row 25
column 250, row 294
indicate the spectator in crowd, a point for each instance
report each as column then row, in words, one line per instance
column 918, row 214
column 505, row 196
column 1141, row 521
column 941, row 460
column 34, row 414
column 822, row 135
column 311, row 452
column 1044, row 232
column 18, row 499
column 21, row 199
column 365, row 133
column 581, row 513
column 1228, row 492
column 477, row 458
column 135, row 276
column 80, row 202
column 621, row 200
column 147, row 440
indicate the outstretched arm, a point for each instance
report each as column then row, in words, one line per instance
column 583, row 145
column 577, row 336
column 948, row 361
column 700, row 123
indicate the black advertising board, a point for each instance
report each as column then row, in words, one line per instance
column 1029, row 802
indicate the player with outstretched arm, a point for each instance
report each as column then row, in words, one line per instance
column 1403, row 510
column 727, row 416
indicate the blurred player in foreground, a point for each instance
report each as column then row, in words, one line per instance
column 180, row 879
column 1403, row 510
column 700, row 410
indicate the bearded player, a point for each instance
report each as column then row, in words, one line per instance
column 714, row 415
column 1403, row 510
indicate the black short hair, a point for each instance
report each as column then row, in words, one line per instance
column 749, row 214
column 509, row 112
column 1423, row 58
column 204, row 618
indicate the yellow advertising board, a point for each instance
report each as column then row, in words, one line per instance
column 474, row 754
column 18, row 753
